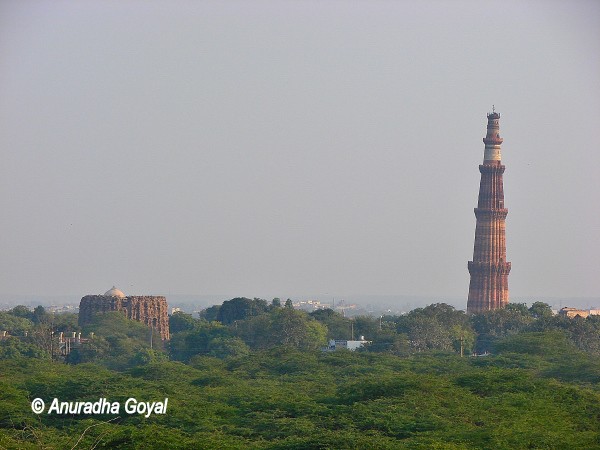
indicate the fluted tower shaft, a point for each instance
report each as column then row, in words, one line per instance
column 489, row 269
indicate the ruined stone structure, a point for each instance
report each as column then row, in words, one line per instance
column 150, row 310
column 574, row 312
column 489, row 269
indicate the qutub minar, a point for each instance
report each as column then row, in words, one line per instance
column 489, row 269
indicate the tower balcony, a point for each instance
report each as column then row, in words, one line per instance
column 500, row 267
column 499, row 213
column 492, row 167
column 493, row 140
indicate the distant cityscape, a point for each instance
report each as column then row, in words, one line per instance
column 350, row 306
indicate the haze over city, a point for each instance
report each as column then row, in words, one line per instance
column 294, row 148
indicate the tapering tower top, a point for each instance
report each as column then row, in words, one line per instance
column 492, row 140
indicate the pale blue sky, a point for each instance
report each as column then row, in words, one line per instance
column 288, row 148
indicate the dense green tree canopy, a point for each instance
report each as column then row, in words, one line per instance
column 15, row 325
column 240, row 308
column 338, row 327
column 260, row 380
column 282, row 326
column 540, row 310
column 199, row 340
column 22, row 311
column 524, row 396
column 181, row 321
column 211, row 313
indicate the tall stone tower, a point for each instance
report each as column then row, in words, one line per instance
column 489, row 269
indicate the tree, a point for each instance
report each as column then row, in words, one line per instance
column 14, row 347
column 223, row 347
column 115, row 323
column 323, row 315
column 22, row 311
column 240, row 308
column 463, row 338
column 255, row 331
column 43, row 336
column 40, row 315
column 540, row 310
column 427, row 333
column 210, row 313
column 95, row 350
column 147, row 356
column 585, row 333
column 546, row 344
column 14, row 325
column 338, row 326
column 436, row 327
column 444, row 314
column 520, row 307
column 497, row 323
column 282, row 326
column 366, row 326
column 180, row 321
column 296, row 329
column 65, row 322
column 185, row 344
column 117, row 341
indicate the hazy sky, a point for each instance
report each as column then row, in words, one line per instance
column 302, row 147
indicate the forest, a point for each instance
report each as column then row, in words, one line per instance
column 253, row 374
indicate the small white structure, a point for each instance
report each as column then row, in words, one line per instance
column 342, row 344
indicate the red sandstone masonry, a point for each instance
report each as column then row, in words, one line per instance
column 488, row 288
column 150, row 310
